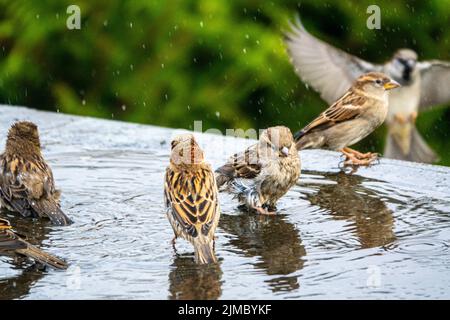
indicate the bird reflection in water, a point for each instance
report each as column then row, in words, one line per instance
column 274, row 240
column 349, row 200
column 19, row 285
column 191, row 281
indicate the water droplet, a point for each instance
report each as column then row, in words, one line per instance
column 124, row 107
column 83, row 102
column 201, row 24
column 244, row 50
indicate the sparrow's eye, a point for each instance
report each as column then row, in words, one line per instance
column 378, row 81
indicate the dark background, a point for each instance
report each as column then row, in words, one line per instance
column 224, row 62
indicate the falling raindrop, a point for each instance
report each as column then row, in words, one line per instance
column 217, row 114
column 83, row 102
column 124, row 107
column 201, row 24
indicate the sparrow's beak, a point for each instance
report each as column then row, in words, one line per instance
column 391, row 85
column 285, row 151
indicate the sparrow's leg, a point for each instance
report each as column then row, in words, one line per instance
column 400, row 118
column 413, row 117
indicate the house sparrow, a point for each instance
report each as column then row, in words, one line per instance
column 190, row 193
column 350, row 119
column 264, row 172
column 424, row 84
column 12, row 244
column 26, row 181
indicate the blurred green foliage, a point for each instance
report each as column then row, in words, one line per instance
column 224, row 62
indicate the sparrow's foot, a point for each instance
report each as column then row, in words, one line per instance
column 352, row 160
column 359, row 155
column 264, row 211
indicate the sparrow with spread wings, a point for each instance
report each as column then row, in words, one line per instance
column 12, row 244
column 331, row 72
column 264, row 172
column 26, row 181
column 361, row 110
column 190, row 193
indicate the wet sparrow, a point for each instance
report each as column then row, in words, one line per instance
column 12, row 244
column 424, row 84
column 264, row 172
column 350, row 119
column 190, row 192
column 26, row 181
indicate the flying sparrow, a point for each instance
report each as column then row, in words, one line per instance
column 264, row 172
column 424, row 84
column 350, row 119
column 26, row 181
column 191, row 200
column 12, row 244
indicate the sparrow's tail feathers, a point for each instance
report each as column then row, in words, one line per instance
column 306, row 141
column 418, row 150
column 42, row 257
column 298, row 135
column 204, row 250
column 49, row 208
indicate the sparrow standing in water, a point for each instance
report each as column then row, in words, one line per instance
column 26, row 181
column 354, row 116
column 264, row 172
column 424, row 84
column 190, row 193
column 12, row 244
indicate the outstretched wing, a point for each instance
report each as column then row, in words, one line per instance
column 435, row 83
column 346, row 108
column 192, row 196
column 329, row 70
